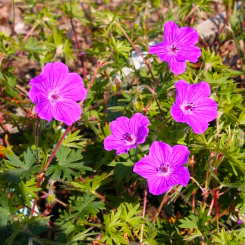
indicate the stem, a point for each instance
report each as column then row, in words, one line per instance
column 143, row 215
column 91, row 82
column 29, row 33
column 194, row 193
column 47, row 164
column 186, row 200
column 236, row 45
column 211, row 207
column 160, row 207
column 13, row 25
column 139, row 53
column 216, row 203
column 36, row 139
column 78, row 47
column 160, row 127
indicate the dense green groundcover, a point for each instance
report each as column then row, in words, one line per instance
column 83, row 194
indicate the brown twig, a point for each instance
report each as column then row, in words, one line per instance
column 164, row 200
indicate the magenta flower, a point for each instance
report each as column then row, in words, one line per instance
column 127, row 133
column 177, row 47
column 193, row 106
column 55, row 91
column 163, row 168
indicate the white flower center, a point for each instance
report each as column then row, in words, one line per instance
column 187, row 107
column 53, row 97
column 173, row 49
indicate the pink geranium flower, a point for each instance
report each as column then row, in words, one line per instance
column 192, row 105
column 55, row 91
column 127, row 133
column 163, row 168
column 177, row 47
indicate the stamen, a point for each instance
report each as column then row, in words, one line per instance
column 173, row 49
column 163, row 168
column 128, row 137
column 188, row 107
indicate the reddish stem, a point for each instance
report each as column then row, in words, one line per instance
column 216, row 202
column 58, row 145
column 78, row 47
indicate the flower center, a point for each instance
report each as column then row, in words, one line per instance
column 188, row 107
column 163, row 169
column 53, row 96
column 128, row 137
column 173, row 49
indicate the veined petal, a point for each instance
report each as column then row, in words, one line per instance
column 171, row 33
column 136, row 122
column 67, row 111
column 177, row 113
column 158, row 185
column 197, row 91
column 44, row 108
column 72, row 87
column 142, row 134
column 181, row 91
column 179, row 157
column 198, row 125
column 160, row 151
column 189, row 53
column 120, row 126
column 146, row 167
column 187, row 37
column 39, row 86
column 177, row 67
column 206, row 108
column 112, row 143
column 161, row 50
column 179, row 176
column 55, row 73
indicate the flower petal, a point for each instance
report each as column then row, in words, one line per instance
column 39, row 86
column 142, row 134
column 197, row 91
column 177, row 113
column 72, row 87
column 177, row 67
column 180, row 155
column 181, row 90
column 189, row 53
column 187, row 37
column 198, row 125
column 161, row 50
column 160, row 152
column 112, row 143
column 137, row 122
column 171, row 33
column 120, row 126
column 158, row 185
column 124, row 149
column 179, row 176
column 67, row 111
column 206, row 108
column 55, row 73
column 44, row 108
column 146, row 167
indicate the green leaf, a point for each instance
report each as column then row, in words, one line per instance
column 18, row 170
column 68, row 161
